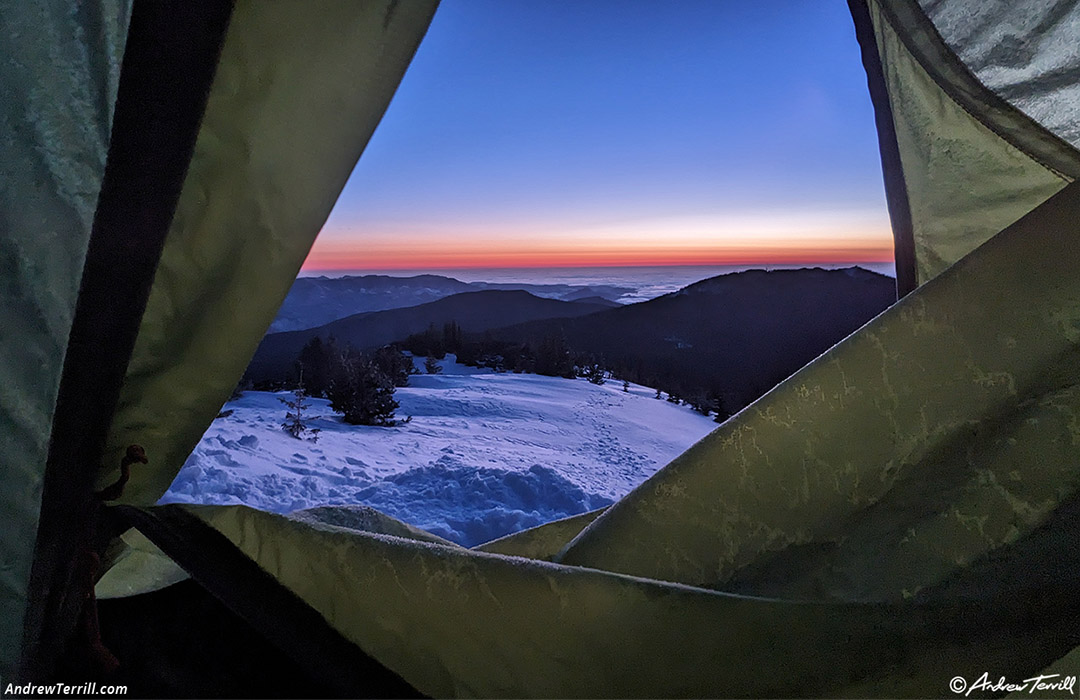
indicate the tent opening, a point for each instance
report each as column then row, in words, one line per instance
column 520, row 226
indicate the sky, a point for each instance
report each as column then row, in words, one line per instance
column 542, row 133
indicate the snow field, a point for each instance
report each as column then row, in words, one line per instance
column 485, row 454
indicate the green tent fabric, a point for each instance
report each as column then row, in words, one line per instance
column 458, row 623
column 55, row 119
column 903, row 510
column 542, row 542
column 1019, row 51
column 328, row 103
column 971, row 161
column 300, row 88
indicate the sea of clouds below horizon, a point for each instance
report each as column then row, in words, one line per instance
column 648, row 282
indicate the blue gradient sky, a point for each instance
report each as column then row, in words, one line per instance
column 541, row 132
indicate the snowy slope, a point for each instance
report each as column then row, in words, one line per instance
column 485, row 454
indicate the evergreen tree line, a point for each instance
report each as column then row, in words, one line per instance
column 706, row 399
column 554, row 357
column 361, row 385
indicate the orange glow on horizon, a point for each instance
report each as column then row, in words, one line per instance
column 785, row 237
column 350, row 256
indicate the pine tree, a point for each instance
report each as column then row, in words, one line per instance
column 526, row 360
column 295, row 421
column 315, row 362
column 657, row 393
column 493, row 361
column 626, row 385
column 700, row 403
column 396, row 365
column 595, row 373
column 452, row 336
column 553, row 358
column 431, row 365
column 716, row 403
column 362, row 392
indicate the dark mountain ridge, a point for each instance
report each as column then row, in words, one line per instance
column 474, row 312
column 737, row 334
column 315, row 301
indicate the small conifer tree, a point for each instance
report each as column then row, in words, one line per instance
column 716, row 401
column 295, row 423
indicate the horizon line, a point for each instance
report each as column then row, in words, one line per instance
column 585, row 266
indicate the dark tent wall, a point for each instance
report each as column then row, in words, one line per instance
column 296, row 94
column 59, row 80
column 169, row 60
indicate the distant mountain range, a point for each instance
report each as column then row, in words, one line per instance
column 315, row 301
column 737, row 334
column 474, row 312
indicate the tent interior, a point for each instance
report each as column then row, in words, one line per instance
column 903, row 510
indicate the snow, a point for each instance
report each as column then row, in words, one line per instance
column 484, row 455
